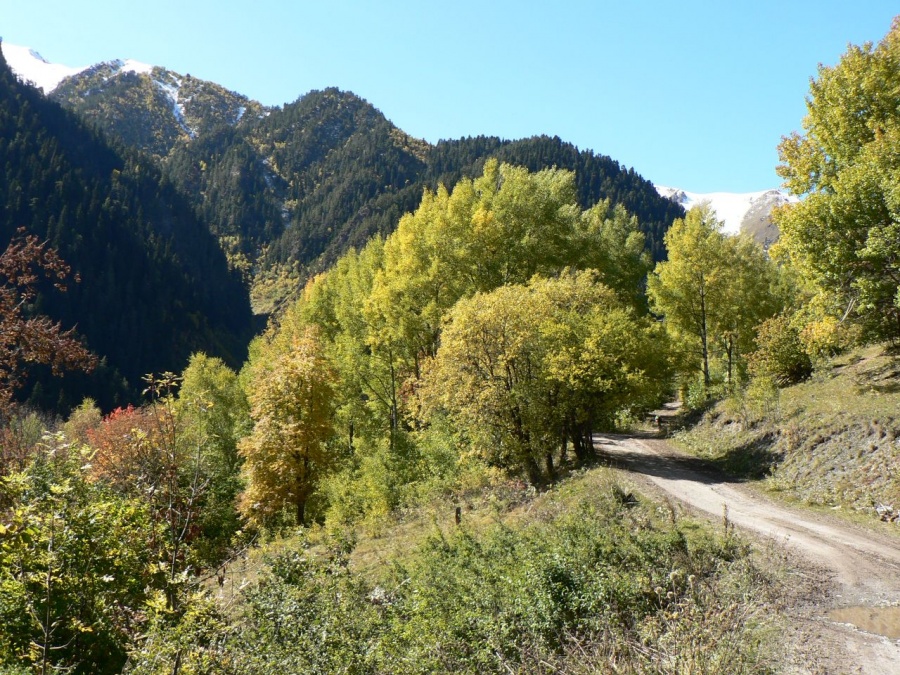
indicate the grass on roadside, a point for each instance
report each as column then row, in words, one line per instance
column 588, row 576
column 832, row 441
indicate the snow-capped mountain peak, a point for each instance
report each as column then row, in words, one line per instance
column 132, row 66
column 29, row 65
column 740, row 211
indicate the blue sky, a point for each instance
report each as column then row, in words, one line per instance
column 692, row 94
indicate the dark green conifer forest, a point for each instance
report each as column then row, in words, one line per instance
column 154, row 284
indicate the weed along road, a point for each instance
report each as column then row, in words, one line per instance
column 853, row 626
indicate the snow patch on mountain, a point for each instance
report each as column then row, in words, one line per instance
column 132, row 66
column 731, row 207
column 30, row 66
column 172, row 90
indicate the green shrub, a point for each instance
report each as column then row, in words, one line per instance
column 780, row 354
column 593, row 577
column 826, row 337
column 74, row 566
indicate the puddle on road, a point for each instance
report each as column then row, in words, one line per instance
column 879, row 620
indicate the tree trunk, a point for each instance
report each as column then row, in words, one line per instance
column 301, row 511
column 393, row 438
column 705, row 349
column 578, row 444
column 729, row 348
column 587, row 430
column 704, row 339
column 533, row 470
column 563, row 448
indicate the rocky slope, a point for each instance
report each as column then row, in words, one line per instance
column 748, row 212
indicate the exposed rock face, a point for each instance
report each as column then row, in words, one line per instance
column 749, row 213
column 757, row 221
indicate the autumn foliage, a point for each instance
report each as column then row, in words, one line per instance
column 292, row 406
column 28, row 339
column 125, row 450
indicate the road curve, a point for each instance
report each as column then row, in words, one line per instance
column 864, row 565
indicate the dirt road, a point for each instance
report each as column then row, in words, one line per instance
column 863, row 568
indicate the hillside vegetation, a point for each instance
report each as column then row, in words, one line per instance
column 152, row 111
column 833, row 440
column 480, row 343
column 465, row 358
column 587, row 577
column 154, row 285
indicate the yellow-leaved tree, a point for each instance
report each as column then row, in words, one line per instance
column 844, row 235
column 713, row 291
column 292, row 407
column 524, row 370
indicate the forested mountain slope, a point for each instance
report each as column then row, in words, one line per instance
column 155, row 286
column 294, row 187
column 149, row 107
column 285, row 190
column 329, row 171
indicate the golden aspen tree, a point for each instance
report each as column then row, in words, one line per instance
column 713, row 290
column 292, row 405
column 844, row 234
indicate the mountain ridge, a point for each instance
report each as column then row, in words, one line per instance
column 30, row 66
column 288, row 189
column 155, row 285
column 741, row 212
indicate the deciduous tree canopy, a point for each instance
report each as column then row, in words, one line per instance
column 525, row 368
column 845, row 233
column 713, row 291
column 291, row 403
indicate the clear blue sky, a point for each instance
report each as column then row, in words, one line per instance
column 694, row 94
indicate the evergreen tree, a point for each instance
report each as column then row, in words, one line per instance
column 155, row 286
